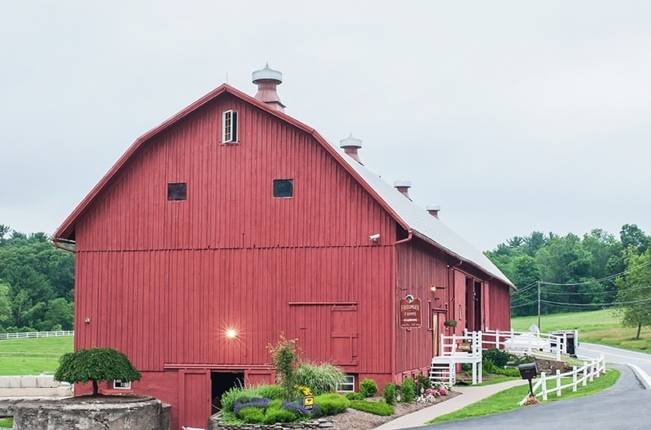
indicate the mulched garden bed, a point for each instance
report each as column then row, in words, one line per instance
column 357, row 420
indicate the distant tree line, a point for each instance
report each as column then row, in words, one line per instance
column 36, row 283
column 584, row 265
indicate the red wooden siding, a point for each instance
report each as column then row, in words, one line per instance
column 229, row 191
column 500, row 303
column 419, row 267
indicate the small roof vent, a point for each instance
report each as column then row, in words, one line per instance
column 351, row 146
column 433, row 210
column 267, row 80
column 403, row 185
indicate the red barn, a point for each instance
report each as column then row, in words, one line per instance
column 231, row 223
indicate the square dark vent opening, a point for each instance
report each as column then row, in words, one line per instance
column 177, row 191
column 283, row 188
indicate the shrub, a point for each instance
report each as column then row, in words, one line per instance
column 252, row 415
column 322, row 378
column 284, row 355
column 408, row 390
column 496, row 356
column 236, row 394
column 368, row 388
column 96, row 364
column 332, row 403
column 279, row 415
column 257, row 402
column 298, row 408
column 354, row 396
column 270, row 391
column 390, row 394
column 422, row 383
column 375, row 408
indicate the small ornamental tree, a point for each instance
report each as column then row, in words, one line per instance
column 285, row 357
column 96, row 364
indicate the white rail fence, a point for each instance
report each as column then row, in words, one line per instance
column 36, row 334
column 526, row 342
column 553, row 384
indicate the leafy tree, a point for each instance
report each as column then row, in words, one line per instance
column 5, row 305
column 95, row 365
column 635, row 291
column 37, row 274
column 633, row 237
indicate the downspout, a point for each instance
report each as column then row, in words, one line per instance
column 393, row 301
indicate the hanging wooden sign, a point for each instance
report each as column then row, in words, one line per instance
column 410, row 312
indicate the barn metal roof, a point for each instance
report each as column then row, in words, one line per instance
column 424, row 225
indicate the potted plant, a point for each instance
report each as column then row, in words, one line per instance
column 450, row 323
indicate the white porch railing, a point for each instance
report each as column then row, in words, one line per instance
column 452, row 345
column 36, row 334
column 553, row 384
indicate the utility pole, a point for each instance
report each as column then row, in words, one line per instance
column 539, row 328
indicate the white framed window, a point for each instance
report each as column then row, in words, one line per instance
column 229, row 126
column 348, row 386
column 120, row 385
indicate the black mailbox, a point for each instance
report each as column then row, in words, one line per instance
column 528, row 370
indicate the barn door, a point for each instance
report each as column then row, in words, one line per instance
column 344, row 335
column 194, row 397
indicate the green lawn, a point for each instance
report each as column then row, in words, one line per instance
column 509, row 399
column 6, row 423
column 594, row 326
column 32, row 356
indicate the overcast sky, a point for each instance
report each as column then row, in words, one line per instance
column 512, row 115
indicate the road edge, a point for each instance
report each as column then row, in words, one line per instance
column 641, row 376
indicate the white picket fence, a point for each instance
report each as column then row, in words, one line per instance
column 36, row 334
column 553, row 384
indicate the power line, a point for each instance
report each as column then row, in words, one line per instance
column 597, row 304
column 561, row 293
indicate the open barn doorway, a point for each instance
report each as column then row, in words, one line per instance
column 222, row 382
column 473, row 305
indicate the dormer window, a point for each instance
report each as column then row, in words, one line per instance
column 229, row 126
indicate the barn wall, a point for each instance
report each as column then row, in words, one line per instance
column 230, row 203
column 500, row 303
column 162, row 280
column 418, row 268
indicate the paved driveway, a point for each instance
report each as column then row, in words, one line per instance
column 626, row 406
column 622, row 356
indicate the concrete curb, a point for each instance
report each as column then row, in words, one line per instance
column 641, row 376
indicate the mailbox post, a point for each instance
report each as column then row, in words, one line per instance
column 528, row 371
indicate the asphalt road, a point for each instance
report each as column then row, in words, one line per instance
column 625, row 406
column 616, row 355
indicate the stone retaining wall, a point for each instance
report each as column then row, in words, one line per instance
column 143, row 413
column 214, row 423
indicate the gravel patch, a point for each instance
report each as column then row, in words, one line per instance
column 353, row 419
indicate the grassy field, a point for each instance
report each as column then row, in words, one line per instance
column 6, row 423
column 509, row 399
column 32, row 356
column 594, row 326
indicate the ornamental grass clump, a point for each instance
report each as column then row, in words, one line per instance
column 95, row 365
column 320, row 378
